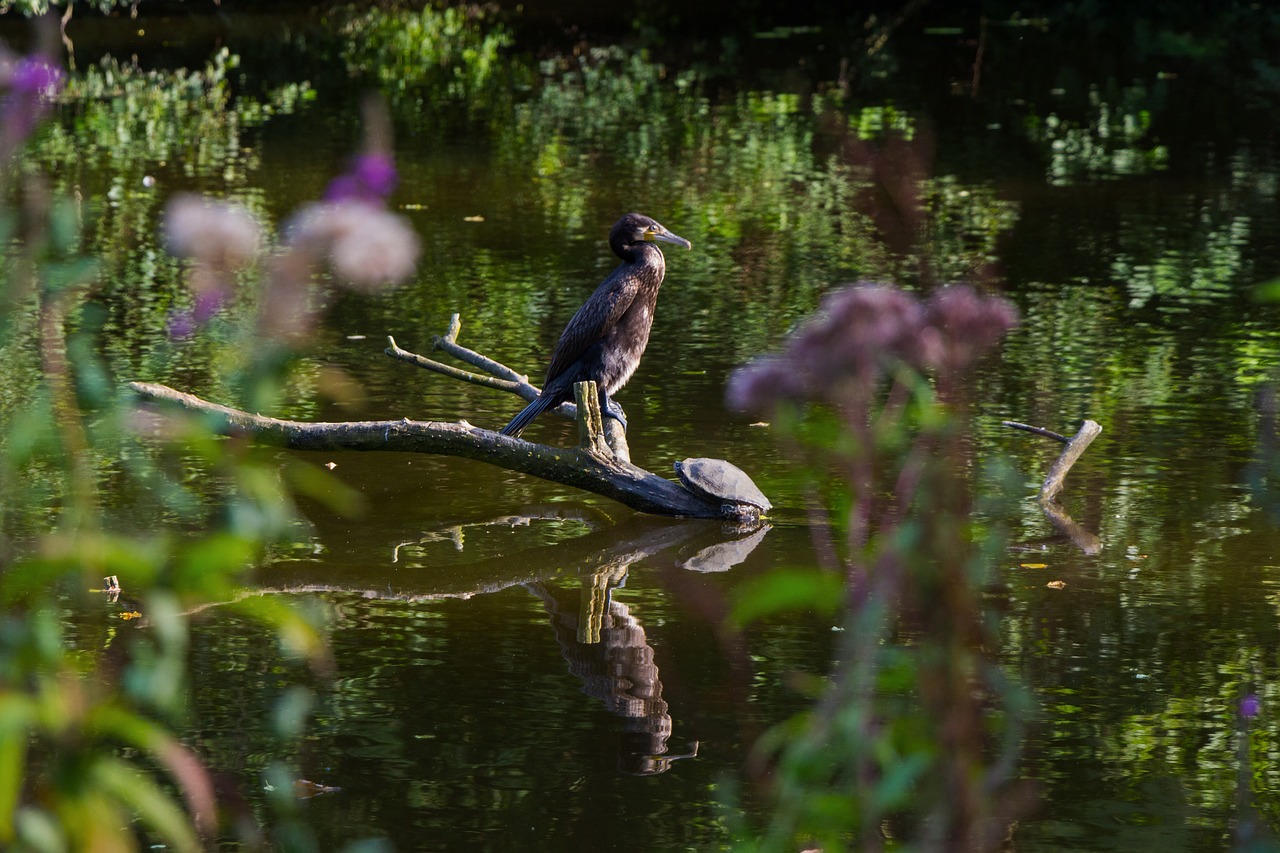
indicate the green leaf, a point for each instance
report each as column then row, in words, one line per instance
column 323, row 486
column 16, row 718
column 297, row 633
column 39, row 832
column 206, row 567
column 369, row 845
column 899, row 780
column 156, row 809
column 1267, row 291
column 787, row 590
column 291, row 712
column 64, row 274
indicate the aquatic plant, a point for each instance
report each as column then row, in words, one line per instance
column 899, row 742
column 88, row 705
column 431, row 55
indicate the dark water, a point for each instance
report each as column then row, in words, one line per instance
column 474, row 700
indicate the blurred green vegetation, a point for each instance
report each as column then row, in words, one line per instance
column 137, row 518
column 434, row 56
column 87, row 716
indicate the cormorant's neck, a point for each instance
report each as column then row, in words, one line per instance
column 639, row 252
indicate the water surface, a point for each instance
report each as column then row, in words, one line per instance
column 520, row 666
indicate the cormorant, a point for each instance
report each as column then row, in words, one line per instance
column 608, row 334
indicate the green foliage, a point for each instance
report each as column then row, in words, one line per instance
column 1112, row 142
column 124, row 120
column 123, row 138
column 779, row 186
column 898, row 736
column 33, row 8
column 434, row 55
column 62, row 775
column 782, row 591
column 87, row 702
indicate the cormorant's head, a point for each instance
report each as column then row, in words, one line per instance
column 638, row 228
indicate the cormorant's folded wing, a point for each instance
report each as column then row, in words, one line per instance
column 600, row 313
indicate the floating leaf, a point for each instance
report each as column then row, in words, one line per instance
column 303, row 788
column 1056, row 585
column 1034, row 565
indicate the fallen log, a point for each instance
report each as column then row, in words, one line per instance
column 601, row 463
column 589, row 466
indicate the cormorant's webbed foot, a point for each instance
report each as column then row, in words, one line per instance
column 610, row 409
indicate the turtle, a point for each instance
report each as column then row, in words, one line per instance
column 724, row 483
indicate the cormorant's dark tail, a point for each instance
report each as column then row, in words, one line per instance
column 519, row 422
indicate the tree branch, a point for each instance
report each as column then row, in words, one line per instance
column 1053, row 481
column 587, row 469
column 1047, row 433
column 517, row 386
column 501, row 378
column 1089, row 430
column 600, row 464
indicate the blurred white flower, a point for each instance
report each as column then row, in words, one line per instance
column 367, row 246
column 223, row 234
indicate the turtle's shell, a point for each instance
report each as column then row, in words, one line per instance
column 718, row 480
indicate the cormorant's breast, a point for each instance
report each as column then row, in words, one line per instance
column 625, row 343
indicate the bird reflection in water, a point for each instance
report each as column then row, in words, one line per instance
column 606, row 648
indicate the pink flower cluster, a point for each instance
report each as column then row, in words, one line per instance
column 866, row 331
column 367, row 246
column 222, row 234
column 221, row 237
column 352, row 232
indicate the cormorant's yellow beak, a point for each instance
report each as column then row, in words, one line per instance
column 659, row 234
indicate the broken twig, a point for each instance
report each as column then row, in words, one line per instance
column 1089, row 430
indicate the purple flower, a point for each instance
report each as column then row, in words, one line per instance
column 36, row 76
column 208, row 302
column 762, row 383
column 371, row 179
column 1250, row 706
column 182, row 325
column 866, row 331
column 30, row 82
column 377, row 172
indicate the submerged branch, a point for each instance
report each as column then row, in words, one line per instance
column 1086, row 541
column 1053, row 482
column 1075, row 448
